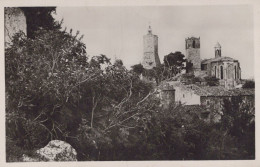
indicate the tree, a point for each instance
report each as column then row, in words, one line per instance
column 138, row 68
column 42, row 80
column 174, row 61
column 211, row 81
column 118, row 63
column 249, row 84
column 39, row 18
column 54, row 92
column 236, row 131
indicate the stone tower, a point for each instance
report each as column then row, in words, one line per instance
column 193, row 53
column 217, row 50
column 150, row 57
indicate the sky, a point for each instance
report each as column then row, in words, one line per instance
column 118, row 31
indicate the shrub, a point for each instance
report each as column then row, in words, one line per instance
column 249, row 84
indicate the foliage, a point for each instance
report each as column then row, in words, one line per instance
column 118, row 63
column 42, row 78
column 54, row 91
column 51, row 88
column 249, row 84
column 174, row 61
column 173, row 64
column 211, row 81
column 138, row 68
column 39, row 18
column 239, row 123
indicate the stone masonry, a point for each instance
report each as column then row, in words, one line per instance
column 14, row 22
column 193, row 53
column 150, row 57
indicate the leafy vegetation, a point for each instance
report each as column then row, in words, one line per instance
column 211, row 81
column 174, row 61
column 249, row 84
column 39, row 18
column 55, row 91
column 173, row 65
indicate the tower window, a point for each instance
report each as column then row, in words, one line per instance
column 193, row 44
column 235, row 72
column 221, row 72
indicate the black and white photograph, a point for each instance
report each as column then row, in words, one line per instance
column 129, row 83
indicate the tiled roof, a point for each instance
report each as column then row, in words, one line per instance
column 221, row 91
column 213, row 90
column 206, row 61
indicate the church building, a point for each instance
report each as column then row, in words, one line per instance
column 226, row 69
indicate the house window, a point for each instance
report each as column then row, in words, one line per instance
column 203, row 66
column 193, row 44
column 207, row 102
column 183, row 96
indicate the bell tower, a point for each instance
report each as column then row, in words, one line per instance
column 150, row 57
column 217, row 50
column 193, row 53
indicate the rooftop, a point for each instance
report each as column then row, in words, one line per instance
column 214, row 90
column 206, row 61
column 192, row 38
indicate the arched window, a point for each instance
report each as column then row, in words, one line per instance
column 221, row 72
column 193, row 44
column 235, row 72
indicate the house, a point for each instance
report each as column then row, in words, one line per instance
column 211, row 97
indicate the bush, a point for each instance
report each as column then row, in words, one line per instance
column 249, row 84
column 212, row 81
column 51, row 88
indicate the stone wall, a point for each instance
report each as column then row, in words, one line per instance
column 14, row 22
column 186, row 97
column 193, row 53
column 214, row 104
column 192, row 42
column 151, row 57
column 193, row 56
column 168, row 96
column 231, row 72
